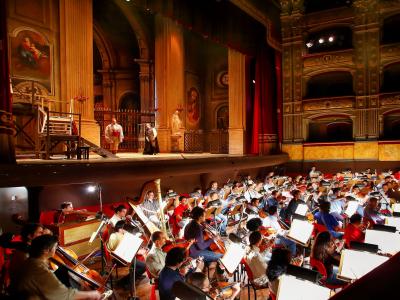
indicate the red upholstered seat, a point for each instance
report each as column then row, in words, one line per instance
column 47, row 217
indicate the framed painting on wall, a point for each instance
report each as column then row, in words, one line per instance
column 193, row 101
column 31, row 57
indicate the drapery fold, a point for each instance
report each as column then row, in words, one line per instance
column 265, row 98
column 5, row 100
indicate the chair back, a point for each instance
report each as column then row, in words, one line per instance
column 248, row 270
column 319, row 266
column 47, row 217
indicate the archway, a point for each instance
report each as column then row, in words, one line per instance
column 331, row 84
column 330, row 129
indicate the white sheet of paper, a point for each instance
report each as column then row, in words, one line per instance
column 351, row 208
column 355, row 264
column 301, row 231
column 128, row 247
column 393, row 221
column 233, row 256
column 388, row 242
column 396, row 207
column 301, row 209
column 149, row 224
column 291, row 288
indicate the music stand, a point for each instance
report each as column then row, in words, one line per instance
column 303, row 273
column 355, row 264
column 364, row 247
column 233, row 257
column 351, row 208
column 393, row 221
column 388, row 242
column 300, row 232
column 386, row 228
column 301, row 209
column 126, row 252
column 183, row 290
column 292, row 288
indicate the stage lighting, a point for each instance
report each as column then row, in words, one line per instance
column 331, row 38
column 321, row 41
column 91, row 188
column 309, row 44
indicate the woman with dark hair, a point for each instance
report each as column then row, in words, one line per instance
column 324, row 250
column 277, row 266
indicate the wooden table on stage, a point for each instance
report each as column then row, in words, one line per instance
column 76, row 236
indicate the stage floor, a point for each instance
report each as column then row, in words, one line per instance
column 124, row 156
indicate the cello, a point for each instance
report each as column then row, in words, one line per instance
column 86, row 277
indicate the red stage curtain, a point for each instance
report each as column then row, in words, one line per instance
column 264, row 104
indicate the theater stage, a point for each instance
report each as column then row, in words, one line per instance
column 129, row 166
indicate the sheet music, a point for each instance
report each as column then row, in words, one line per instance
column 128, row 247
column 300, row 231
column 301, row 209
column 393, row 221
column 355, row 264
column 233, row 256
column 396, row 207
column 291, row 288
column 388, row 242
column 351, row 208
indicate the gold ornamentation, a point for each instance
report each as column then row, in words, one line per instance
column 327, row 104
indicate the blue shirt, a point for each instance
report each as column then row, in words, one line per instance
column 166, row 280
column 326, row 219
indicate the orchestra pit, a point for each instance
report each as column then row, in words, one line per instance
column 214, row 149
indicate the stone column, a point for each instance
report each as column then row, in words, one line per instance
column 169, row 74
column 76, row 61
column 237, row 101
column 7, row 151
column 146, row 84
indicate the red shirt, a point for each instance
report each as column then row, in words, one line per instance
column 177, row 217
column 353, row 234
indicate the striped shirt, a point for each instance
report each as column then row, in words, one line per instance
column 150, row 207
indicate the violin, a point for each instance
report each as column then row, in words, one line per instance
column 222, row 290
column 218, row 245
column 172, row 244
column 68, row 258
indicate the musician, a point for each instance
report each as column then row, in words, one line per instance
column 38, row 282
column 120, row 214
column 337, row 204
column 112, row 244
column 324, row 250
column 171, row 273
column 194, row 230
column 176, row 219
column 269, row 183
column 371, row 211
column 66, row 208
column 277, row 266
column 196, row 194
column 214, row 188
column 155, row 259
column 151, row 208
column 200, row 280
column 314, row 173
column 272, row 200
column 28, row 232
column 215, row 200
column 257, row 261
column 251, row 192
column 291, row 209
column 324, row 217
column 354, row 231
column 272, row 221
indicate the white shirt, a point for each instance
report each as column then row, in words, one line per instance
column 115, row 218
column 155, row 261
column 272, row 222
